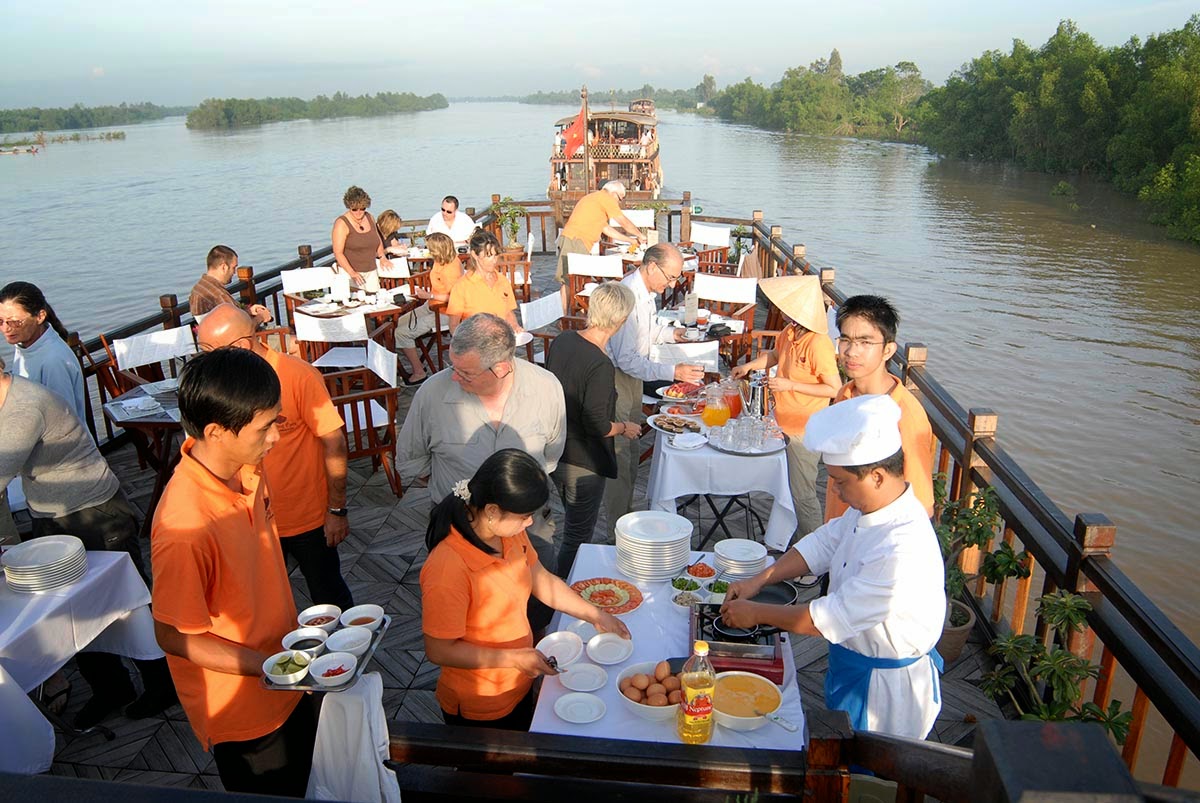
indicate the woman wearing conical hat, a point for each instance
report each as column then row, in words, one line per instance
column 805, row 380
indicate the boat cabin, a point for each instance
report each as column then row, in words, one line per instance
column 620, row 146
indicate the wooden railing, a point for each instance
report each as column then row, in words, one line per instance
column 1136, row 637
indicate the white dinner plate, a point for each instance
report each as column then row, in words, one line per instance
column 662, row 394
column 42, row 552
column 584, row 677
column 653, row 527
column 609, row 648
column 564, row 647
column 523, row 339
column 740, row 550
column 579, row 707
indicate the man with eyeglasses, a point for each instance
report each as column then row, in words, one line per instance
column 210, row 291
column 629, row 348
column 868, row 327
column 306, row 472
column 487, row 400
column 456, row 225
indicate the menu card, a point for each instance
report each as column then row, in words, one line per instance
column 691, row 302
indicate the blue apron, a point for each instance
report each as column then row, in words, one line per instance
column 849, row 680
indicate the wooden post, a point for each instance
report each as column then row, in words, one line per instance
column 827, row 278
column 983, row 423
column 915, row 356
column 685, row 218
column 305, row 252
column 776, row 238
column 1094, row 537
column 470, row 210
column 248, row 294
column 798, row 265
column 170, row 307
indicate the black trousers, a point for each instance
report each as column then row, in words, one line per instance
column 276, row 764
column 516, row 720
column 321, row 567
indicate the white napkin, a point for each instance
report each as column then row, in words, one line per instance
column 351, row 746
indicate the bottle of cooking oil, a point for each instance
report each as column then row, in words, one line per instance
column 694, row 720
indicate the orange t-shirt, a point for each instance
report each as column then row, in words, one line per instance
column 218, row 569
column 916, row 440
column 442, row 278
column 480, row 598
column 591, row 215
column 809, row 358
column 471, row 295
column 295, row 467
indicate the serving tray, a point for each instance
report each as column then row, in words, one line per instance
column 308, row 684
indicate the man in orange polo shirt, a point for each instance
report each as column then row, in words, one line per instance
column 868, row 326
column 221, row 598
column 307, row 470
column 806, row 379
column 589, row 221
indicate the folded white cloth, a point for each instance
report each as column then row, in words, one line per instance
column 352, row 744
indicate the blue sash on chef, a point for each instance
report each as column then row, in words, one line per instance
column 849, row 680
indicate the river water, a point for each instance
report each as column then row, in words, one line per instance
column 1079, row 327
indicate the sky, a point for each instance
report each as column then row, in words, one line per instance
column 60, row 52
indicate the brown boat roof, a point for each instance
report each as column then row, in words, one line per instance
column 628, row 117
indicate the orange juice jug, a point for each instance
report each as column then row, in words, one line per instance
column 694, row 720
column 716, row 410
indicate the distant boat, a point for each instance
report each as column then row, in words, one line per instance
column 14, row 151
column 593, row 147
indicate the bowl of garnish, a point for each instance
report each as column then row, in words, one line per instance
column 322, row 616
column 353, row 640
column 310, row 640
column 716, row 592
column 333, row 668
column 685, row 600
column 686, row 583
column 701, row 570
column 368, row 616
column 287, row 668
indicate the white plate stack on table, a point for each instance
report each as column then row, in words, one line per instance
column 44, row 564
column 739, row 558
column 652, row 545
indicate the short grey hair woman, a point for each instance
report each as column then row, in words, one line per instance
column 588, row 378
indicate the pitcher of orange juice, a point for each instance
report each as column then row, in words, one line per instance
column 716, row 409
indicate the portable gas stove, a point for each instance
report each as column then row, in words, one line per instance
column 761, row 654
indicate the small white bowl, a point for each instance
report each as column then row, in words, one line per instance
column 699, row 589
column 289, row 641
column 332, row 660
column 350, row 616
column 310, row 613
column 699, row 597
column 292, row 678
column 353, row 640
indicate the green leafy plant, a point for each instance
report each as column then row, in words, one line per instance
column 973, row 522
column 735, row 235
column 1052, row 677
column 509, row 214
column 1064, row 188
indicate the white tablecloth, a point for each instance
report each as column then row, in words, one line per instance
column 660, row 630
column 108, row 610
column 677, row 472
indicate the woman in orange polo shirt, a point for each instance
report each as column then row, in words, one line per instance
column 806, row 379
column 445, row 273
column 484, row 288
column 475, row 586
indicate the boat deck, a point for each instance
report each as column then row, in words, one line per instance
column 381, row 560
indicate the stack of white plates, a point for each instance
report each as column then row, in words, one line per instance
column 652, row 545
column 740, row 557
column 44, row 564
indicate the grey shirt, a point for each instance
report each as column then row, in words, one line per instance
column 448, row 435
column 43, row 440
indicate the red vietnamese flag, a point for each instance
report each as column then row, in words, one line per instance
column 574, row 134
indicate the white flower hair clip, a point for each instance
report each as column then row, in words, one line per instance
column 461, row 491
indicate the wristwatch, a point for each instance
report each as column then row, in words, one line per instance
column 339, row 511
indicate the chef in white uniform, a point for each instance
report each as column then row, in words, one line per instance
column 887, row 601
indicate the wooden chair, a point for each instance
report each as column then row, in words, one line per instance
column 543, row 318
column 305, row 280
column 518, row 269
column 149, row 357
column 584, row 268
column 433, row 345
column 711, row 244
column 367, row 403
column 730, row 297
column 317, row 339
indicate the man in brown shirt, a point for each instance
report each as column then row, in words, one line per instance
column 210, row 291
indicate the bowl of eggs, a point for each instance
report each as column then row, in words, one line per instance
column 650, row 690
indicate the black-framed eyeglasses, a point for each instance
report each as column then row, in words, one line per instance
column 848, row 343
column 465, row 378
column 671, row 280
column 447, row 211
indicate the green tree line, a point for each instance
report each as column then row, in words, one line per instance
column 79, row 116
column 221, row 113
column 680, row 99
column 1130, row 114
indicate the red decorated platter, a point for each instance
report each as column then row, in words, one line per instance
column 615, row 596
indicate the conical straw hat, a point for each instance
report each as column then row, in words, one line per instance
column 799, row 298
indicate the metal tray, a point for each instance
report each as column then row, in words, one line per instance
column 308, row 684
column 782, row 444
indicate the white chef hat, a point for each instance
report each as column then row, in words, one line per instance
column 855, row 432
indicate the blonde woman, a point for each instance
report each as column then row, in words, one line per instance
column 484, row 288
column 388, row 224
column 588, row 379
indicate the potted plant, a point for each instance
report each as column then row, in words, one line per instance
column 509, row 214
column 736, row 245
column 962, row 524
column 1046, row 682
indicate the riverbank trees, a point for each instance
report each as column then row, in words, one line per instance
column 222, row 113
column 80, row 116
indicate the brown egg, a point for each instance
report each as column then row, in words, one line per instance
column 662, row 670
column 624, row 684
column 633, row 694
column 657, row 700
column 671, row 683
column 640, row 681
column 656, row 688
column 674, row 696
